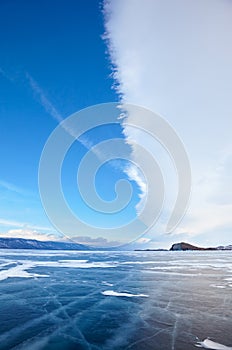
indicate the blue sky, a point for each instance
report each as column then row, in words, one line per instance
column 55, row 62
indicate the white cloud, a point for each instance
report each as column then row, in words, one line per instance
column 19, row 224
column 143, row 240
column 175, row 58
column 222, row 194
column 29, row 234
column 134, row 174
column 96, row 242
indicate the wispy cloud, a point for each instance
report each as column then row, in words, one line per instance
column 11, row 187
column 38, row 93
column 44, row 101
column 15, row 189
column 6, row 75
column 53, row 112
column 49, row 107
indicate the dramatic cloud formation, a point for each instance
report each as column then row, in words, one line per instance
column 175, row 58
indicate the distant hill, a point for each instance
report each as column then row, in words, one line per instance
column 186, row 246
column 21, row 243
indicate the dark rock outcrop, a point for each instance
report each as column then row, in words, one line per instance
column 186, row 246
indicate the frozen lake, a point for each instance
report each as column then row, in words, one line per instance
column 57, row 300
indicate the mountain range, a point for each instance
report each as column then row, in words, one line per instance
column 21, row 243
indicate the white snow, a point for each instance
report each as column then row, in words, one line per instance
column 128, row 295
column 209, row 344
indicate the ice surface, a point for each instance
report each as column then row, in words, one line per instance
column 99, row 300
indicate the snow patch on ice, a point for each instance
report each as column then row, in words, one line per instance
column 123, row 294
column 107, row 284
column 217, row 286
column 138, row 262
column 209, row 344
column 20, row 270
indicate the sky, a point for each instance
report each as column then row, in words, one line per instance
column 174, row 58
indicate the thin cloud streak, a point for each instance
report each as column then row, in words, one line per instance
column 44, row 101
column 53, row 112
column 11, row 187
column 5, row 75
